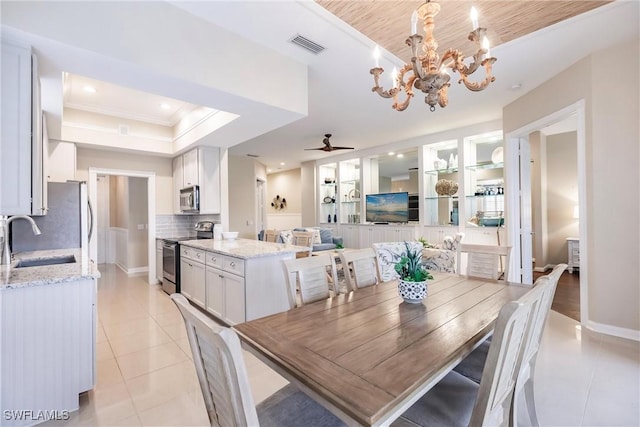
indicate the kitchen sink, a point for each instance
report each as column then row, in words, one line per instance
column 66, row 259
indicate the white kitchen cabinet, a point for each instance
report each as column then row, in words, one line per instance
column 225, row 287
column 192, row 275
column 436, row 235
column 22, row 153
column 350, row 236
column 62, row 161
column 177, row 183
column 200, row 166
column 47, row 346
column 190, row 168
column 485, row 235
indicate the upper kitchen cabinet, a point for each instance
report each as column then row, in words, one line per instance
column 441, row 183
column 23, row 151
column 201, row 167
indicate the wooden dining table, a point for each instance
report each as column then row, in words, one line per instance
column 367, row 355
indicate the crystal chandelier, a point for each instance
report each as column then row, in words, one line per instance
column 428, row 72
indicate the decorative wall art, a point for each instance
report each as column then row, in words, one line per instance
column 279, row 203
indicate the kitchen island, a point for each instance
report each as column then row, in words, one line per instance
column 47, row 338
column 236, row 280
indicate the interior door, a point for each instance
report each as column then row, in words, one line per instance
column 518, row 221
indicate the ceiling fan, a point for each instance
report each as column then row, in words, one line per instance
column 327, row 145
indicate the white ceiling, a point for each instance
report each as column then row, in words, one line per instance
column 118, row 101
column 340, row 100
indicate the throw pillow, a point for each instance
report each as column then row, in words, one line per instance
column 326, row 235
column 286, row 236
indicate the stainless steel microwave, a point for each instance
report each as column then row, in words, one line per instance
column 190, row 199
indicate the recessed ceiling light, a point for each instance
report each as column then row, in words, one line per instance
column 165, row 106
column 400, row 156
column 282, row 163
column 89, row 89
column 391, row 153
column 516, row 86
column 269, row 170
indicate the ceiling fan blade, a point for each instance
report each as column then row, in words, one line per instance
column 311, row 149
column 341, row 148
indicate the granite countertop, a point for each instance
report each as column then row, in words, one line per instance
column 244, row 248
column 13, row 278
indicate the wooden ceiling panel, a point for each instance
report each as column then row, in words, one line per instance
column 387, row 23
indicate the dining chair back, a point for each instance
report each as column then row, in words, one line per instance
column 312, row 276
column 271, row 235
column 526, row 377
column 303, row 238
column 389, row 253
column 484, row 261
column 458, row 401
column 360, row 268
column 224, row 382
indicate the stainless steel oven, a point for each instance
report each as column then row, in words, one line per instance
column 171, row 256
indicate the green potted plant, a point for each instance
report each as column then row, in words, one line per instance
column 339, row 247
column 413, row 276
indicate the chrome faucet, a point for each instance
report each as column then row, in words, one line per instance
column 5, row 256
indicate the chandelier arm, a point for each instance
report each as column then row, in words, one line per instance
column 403, row 106
column 478, row 86
column 376, row 72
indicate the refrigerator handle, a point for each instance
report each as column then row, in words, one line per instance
column 90, row 219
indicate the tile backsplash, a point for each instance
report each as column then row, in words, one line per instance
column 180, row 225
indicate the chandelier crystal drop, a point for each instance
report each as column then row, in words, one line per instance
column 428, row 72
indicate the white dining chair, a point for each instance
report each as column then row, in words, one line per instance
column 473, row 365
column 303, row 238
column 271, row 235
column 311, row 276
column 389, row 253
column 458, row 401
column 484, row 261
column 224, row 382
column 360, row 268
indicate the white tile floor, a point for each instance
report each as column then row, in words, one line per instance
column 146, row 378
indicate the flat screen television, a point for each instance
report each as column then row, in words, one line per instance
column 387, row 207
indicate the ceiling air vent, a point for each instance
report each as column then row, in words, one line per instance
column 123, row 130
column 307, row 44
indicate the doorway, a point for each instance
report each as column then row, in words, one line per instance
column 518, row 171
column 150, row 179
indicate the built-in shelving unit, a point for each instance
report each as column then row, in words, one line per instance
column 328, row 192
column 349, row 174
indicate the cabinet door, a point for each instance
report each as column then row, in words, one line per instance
column 190, row 168
column 209, row 180
column 178, row 183
column 186, row 282
column 197, row 275
column 350, row 236
column 159, row 263
column 406, row 234
column 215, row 292
column 15, row 144
column 234, row 299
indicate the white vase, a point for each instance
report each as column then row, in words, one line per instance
column 412, row 292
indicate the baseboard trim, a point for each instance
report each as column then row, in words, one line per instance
column 615, row 331
column 545, row 268
column 138, row 271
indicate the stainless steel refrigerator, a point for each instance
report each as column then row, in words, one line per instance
column 67, row 224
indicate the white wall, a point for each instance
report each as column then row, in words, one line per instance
column 161, row 166
column 137, row 207
column 285, row 184
column 243, row 216
column 308, row 197
column 613, row 165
